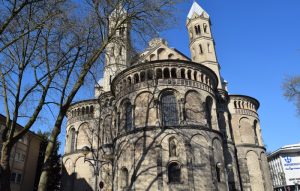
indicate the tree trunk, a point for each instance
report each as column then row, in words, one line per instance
column 5, row 168
column 49, row 150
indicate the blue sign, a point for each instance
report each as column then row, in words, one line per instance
column 288, row 159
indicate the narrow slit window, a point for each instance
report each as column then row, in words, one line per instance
column 200, row 49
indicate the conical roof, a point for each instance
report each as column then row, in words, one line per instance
column 196, row 8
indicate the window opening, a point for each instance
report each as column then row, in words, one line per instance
column 172, row 147
column 205, row 28
column 124, row 177
column 169, row 110
column 72, row 149
column 159, row 74
column 197, row 29
column 182, row 73
column 173, row 73
column 174, row 172
column 200, row 49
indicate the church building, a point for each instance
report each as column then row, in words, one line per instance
column 165, row 122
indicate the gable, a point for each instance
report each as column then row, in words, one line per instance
column 162, row 52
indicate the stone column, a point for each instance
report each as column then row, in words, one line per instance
column 182, row 111
column 76, row 140
column 244, row 174
column 156, row 105
column 133, row 117
column 118, row 122
column 159, row 159
column 228, row 145
column 214, row 185
column 189, row 157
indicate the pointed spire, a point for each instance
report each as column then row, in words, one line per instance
column 196, row 8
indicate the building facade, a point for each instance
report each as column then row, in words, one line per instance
column 285, row 168
column 165, row 122
column 23, row 160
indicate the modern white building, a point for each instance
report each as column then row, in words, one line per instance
column 285, row 168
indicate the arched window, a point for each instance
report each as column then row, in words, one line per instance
column 195, row 76
column 200, row 49
column 136, row 78
column 166, row 73
column 128, row 116
column 173, row 73
column 197, row 29
column 129, row 81
column 208, row 108
column 72, row 140
column 218, row 172
column 143, row 76
column 159, row 73
column 172, row 147
column 208, row 48
column 205, row 28
column 182, row 73
column 169, row 109
column 202, row 78
column 124, row 177
column 174, row 172
column 92, row 109
column 150, row 74
column 189, row 74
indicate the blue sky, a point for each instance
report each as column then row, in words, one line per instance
column 258, row 46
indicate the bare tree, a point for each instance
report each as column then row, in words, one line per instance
column 99, row 23
column 291, row 87
column 27, row 68
column 48, row 50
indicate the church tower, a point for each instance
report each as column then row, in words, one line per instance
column 202, row 44
column 118, row 51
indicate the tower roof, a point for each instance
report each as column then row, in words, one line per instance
column 196, row 8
